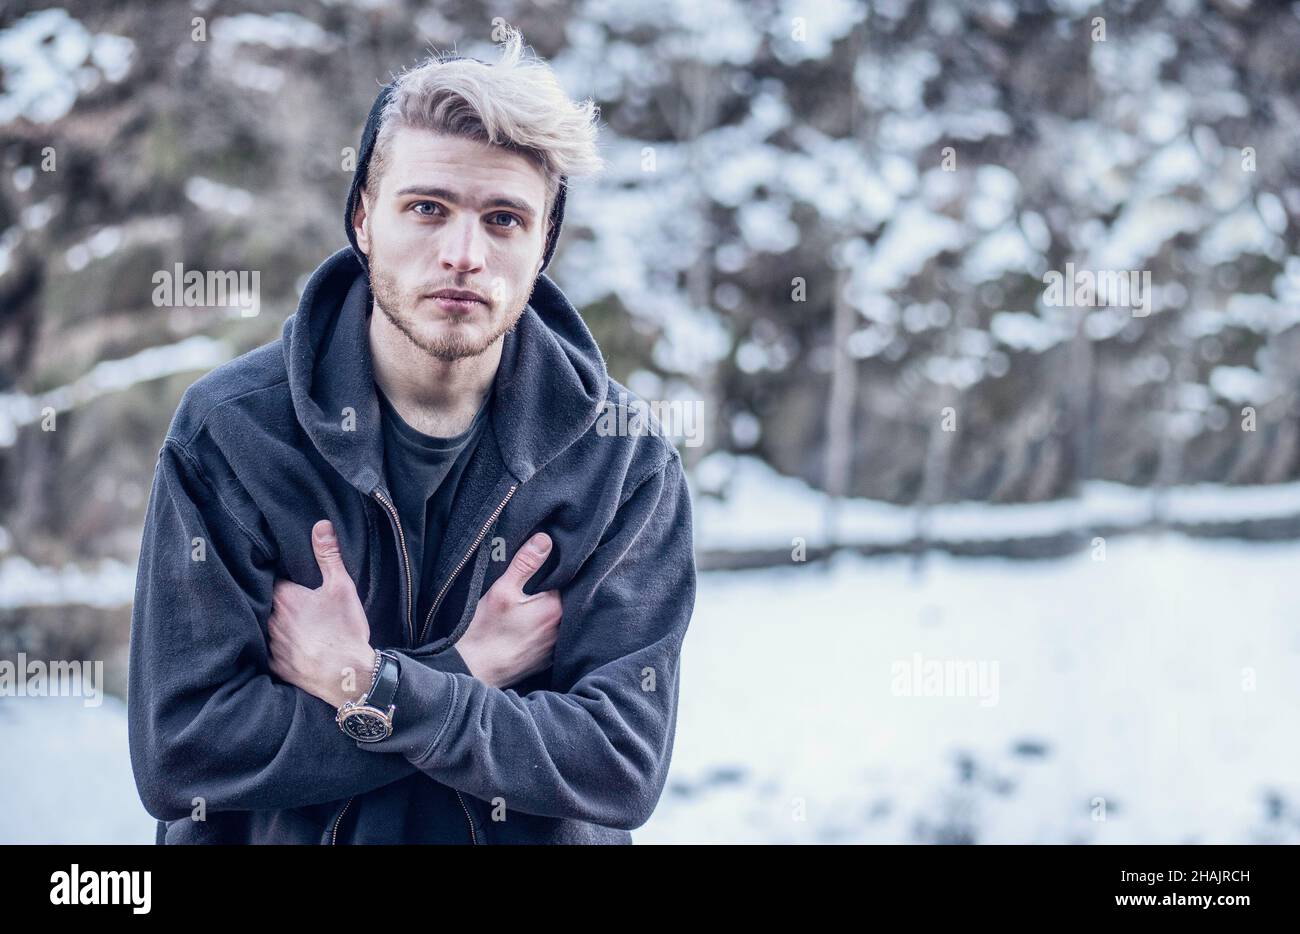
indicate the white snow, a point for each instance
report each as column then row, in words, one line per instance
column 767, row 227
column 103, row 243
column 275, row 30
column 764, row 509
column 1175, row 164
column 912, row 238
column 999, row 252
column 48, row 59
column 1263, row 314
column 199, row 353
column 821, row 24
column 108, row 583
column 1164, row 680
column 1241, row 384
column 66, row 772
column 1143, row 227
column 214, row 196
column 1241, row 231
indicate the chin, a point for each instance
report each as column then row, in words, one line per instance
column 444, row 331
column 454, row 341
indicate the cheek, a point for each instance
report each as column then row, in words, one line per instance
column 396, row 233
column 397, row 252
column 512, row 265
column 395, row 238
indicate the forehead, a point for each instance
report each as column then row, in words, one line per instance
column 476, row 170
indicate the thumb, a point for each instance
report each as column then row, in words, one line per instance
column 326, row 546
column 527, row 560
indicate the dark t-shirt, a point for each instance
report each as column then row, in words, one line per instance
column 424, row 473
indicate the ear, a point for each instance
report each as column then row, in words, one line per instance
column 359, row 217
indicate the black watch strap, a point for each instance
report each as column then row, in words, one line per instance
column 384, row 691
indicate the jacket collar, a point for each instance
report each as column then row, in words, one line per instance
column 549, row 389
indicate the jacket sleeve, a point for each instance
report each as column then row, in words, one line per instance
column 597, row 748
column 206, row 719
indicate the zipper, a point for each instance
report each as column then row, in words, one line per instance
column 406, row 561
column 482, row 533
column 406, row 558
column 473, row 837
column 334, row 837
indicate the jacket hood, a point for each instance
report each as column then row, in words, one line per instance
column 549, row 387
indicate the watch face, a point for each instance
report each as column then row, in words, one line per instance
column 365, row 726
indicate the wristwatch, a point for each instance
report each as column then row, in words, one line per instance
column 370, row 719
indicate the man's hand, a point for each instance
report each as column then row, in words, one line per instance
column 513, row 633
column 320, row 637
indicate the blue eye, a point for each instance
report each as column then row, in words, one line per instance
column 517, row 221
column 420, row 204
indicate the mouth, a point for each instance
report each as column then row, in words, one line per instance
column 458, row 300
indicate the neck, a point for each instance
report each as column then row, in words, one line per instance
column 435, row 396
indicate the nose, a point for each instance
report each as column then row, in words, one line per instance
column 462, row 245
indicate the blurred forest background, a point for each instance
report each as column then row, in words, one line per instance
column 829, row 221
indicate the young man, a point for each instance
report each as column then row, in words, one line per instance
column 328, row 643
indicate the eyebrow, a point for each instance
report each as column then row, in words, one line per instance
column 446, row 194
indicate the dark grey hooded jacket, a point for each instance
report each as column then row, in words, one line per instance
column 265, row 446
column 262, row 448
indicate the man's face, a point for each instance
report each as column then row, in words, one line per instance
column 452, row 214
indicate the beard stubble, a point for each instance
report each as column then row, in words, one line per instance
column 455, row 346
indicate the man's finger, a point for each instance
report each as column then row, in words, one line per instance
column 527, row 560
column 326, row 546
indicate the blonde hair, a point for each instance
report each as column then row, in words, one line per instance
column 517, row 103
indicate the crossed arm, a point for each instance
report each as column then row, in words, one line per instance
column 319, row 639
column 209, row 719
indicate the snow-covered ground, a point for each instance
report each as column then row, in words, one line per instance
column 760, row 508
column 66, row 774
column 1159, row 688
